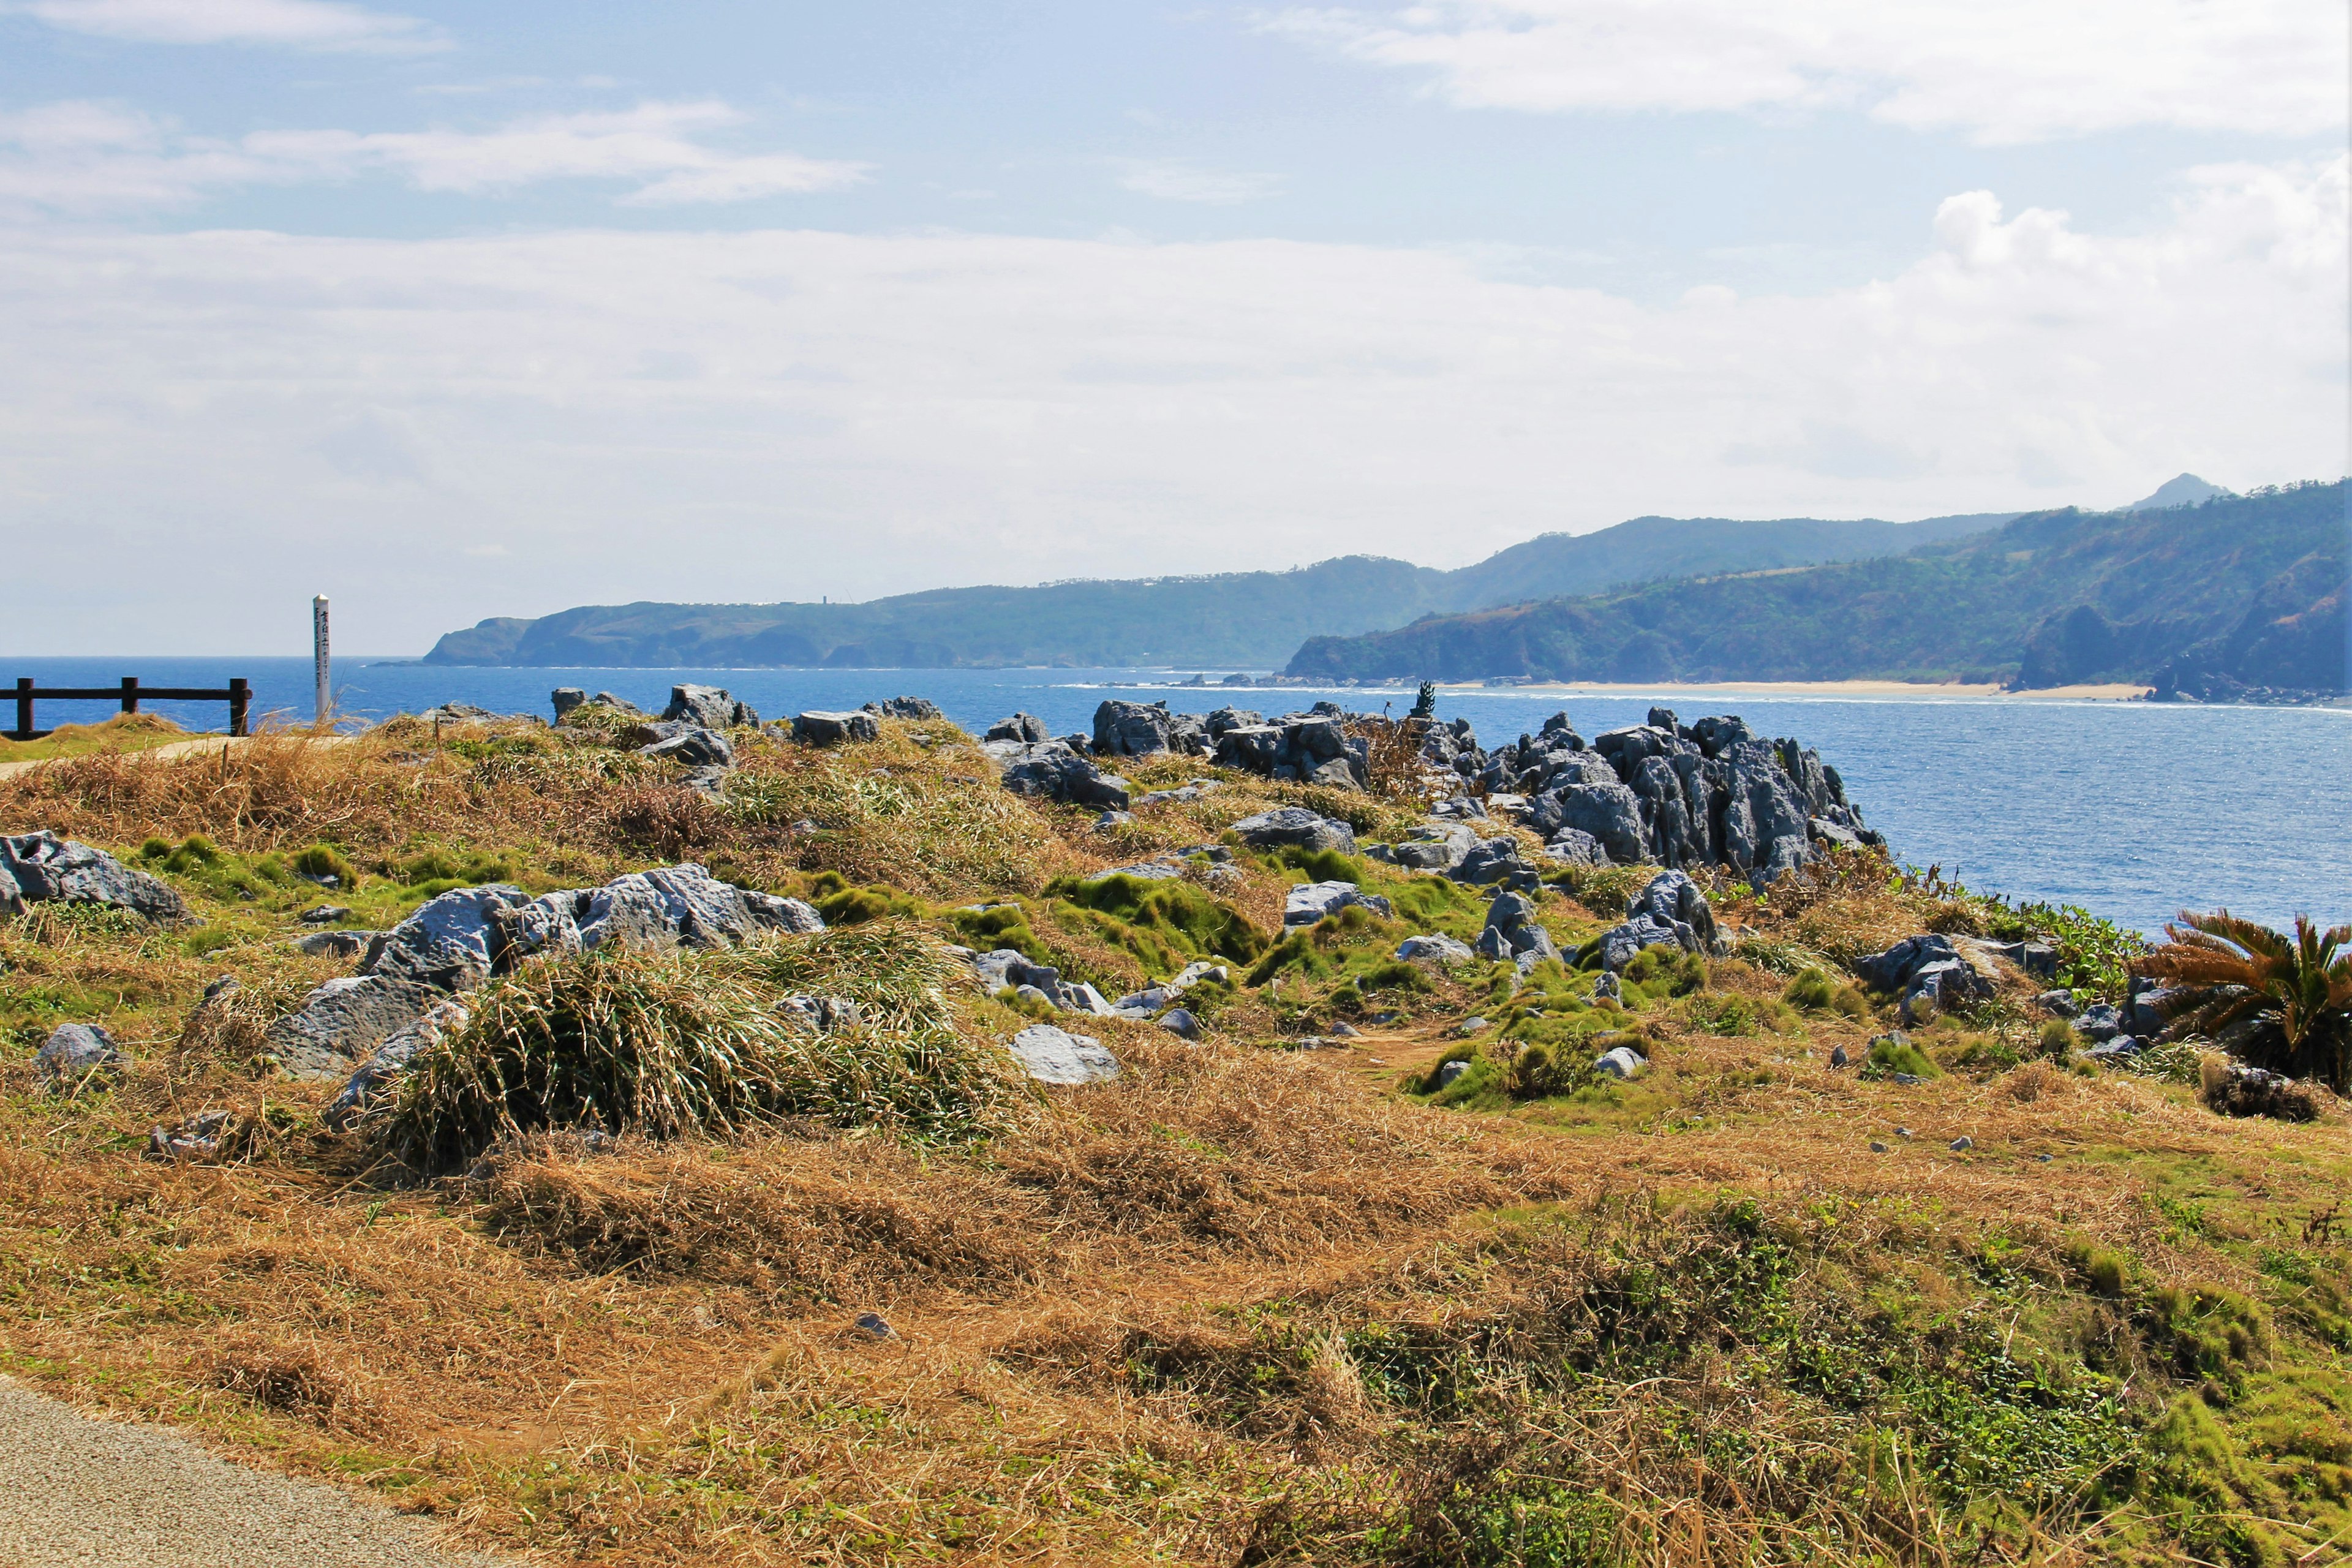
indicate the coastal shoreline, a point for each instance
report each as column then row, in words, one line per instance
column 2120, row 692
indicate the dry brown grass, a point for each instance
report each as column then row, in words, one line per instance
column 1142, row 1323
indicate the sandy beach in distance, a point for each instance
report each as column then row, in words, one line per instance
column 2113, row 693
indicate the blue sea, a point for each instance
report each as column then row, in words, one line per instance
column 2133, row 810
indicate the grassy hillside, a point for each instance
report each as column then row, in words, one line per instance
column 1269, row 1298
column 2049, row 598
column 1245, row 619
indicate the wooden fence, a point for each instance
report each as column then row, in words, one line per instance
column 237, row 694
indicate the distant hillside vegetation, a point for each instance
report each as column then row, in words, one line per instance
column 2243, row 592
column 1243, row 619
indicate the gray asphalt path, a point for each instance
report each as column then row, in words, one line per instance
column 80, row 1491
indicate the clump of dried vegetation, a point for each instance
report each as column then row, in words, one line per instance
column 1250, row 1303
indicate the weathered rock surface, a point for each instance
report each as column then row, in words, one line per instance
column 1020, row 730
column 1007, row 967
column 691, row 744
column 374, row 1080
column 1929, row 969
column 1496, row 861
column 905, row 708
column 1623, row 1062
column 1132, row 728
column 710, row 707
column 1295, row 824
column 1049, row 770
column 76, row 1056
column 1513, row 931
column 1441, row 948
column 344, row 1021
column 1436, row 845
column 40, row 867
column 333, row 944
column 1053, row 1056
column 818, row 727
column 1671, row 913
column 1312, row 902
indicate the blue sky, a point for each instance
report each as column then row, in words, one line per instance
column 456, row 311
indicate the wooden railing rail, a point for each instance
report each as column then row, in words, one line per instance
column 237, row 694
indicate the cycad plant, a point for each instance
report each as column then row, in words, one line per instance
column 2279, row 1002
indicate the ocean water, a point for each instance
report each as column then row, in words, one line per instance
column 2135, row 811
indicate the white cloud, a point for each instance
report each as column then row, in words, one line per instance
column 1173, row 180
column 746, row 417
column 2001, row 70
column 87, row 157
column 321, row 25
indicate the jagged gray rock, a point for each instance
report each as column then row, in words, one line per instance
column 370, row 1083
column 344, row 1021
column 1021, row 729
column 1057, row 1057
column 40, row 867
column 1295, row 824
column 1671, row 913
column 1132, row 728
column 692, row 744
column 1312, row 902
column 1442, row 948
column 1051, row 771
column 817, row 728
column 905, row 708
column 710, row 707
column 76, row 1056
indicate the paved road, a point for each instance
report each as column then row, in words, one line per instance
column 79, row 1492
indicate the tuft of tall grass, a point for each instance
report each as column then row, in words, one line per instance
column 672, row 1044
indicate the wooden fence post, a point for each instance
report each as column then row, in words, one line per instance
column 131, row 694
column 24, row 705
column 240, row 699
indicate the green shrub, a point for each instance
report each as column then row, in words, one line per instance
column 1891, row 1055
column 1181, row 920
column 1812, row 990
column 322, row 860
column 670, row 1043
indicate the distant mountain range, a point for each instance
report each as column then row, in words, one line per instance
column 1249, row 620
column 2208, row 599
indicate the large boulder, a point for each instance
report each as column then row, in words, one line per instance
column 1295, row 826
column 818, row 727
column 449, row 943
column 1512, row 930
column 671, row 906
column 1671, row 913
column 40, row 867
column 905, row 708
column 692, row 744
column 1252, row 748
column 1052, row 1055
column 1132, row 728
column 564, row 699
column 708, row 706
column 1496, row 861
column 1929, row 969
column 77, row 1055
column 1019, row 728
column 1051, row 771
column 371, row 1083
column 1434, row 846
column 342, row 1023
column 1312, row 902
column 1608, row 813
